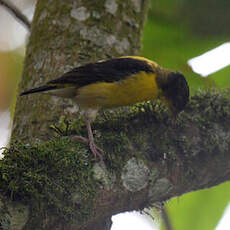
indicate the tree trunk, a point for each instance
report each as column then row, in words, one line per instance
column 56, row 184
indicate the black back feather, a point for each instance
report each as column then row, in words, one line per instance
column 106, row 71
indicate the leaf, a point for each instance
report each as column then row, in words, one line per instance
column 199, row 210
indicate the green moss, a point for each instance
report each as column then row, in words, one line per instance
column 148, row 127
column 213, row 105
column 67, row 126
column 112, row 132
column 46, row 175
column 144, row 131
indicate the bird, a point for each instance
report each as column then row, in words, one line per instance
column 117, row 82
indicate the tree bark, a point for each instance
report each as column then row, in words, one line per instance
column 56, row 184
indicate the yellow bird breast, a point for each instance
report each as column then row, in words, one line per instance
column 137, row 88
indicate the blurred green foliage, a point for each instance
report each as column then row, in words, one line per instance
column 10, row 72
column 199, row 210
column 203, row 17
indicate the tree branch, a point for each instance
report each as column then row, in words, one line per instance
column 148, row 159
column 16, row 13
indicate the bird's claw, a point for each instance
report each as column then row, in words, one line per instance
column 97, row 152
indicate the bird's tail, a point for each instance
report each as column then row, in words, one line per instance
column 39, row 89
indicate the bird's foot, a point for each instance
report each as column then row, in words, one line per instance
column 97, row 152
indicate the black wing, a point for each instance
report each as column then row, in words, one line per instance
column 106, row 71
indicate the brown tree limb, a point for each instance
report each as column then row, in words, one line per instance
column 148, row 159
column 16, row 13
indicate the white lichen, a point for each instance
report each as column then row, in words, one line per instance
column 135, row 175
column 101, row 173
column 111, row 39
column 80, row 14
column 137, row 5
column 94, row 35
column 111, row 6
column 161, row 186
column 122, row 46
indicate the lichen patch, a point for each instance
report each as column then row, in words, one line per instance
column 161, row 186
column 111, row 6
column 135, row 175
column 80, row 14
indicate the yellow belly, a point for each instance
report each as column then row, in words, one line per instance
column 138, row 88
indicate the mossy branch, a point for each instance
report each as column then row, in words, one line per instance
column 148, row 159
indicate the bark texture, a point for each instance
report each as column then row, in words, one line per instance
column 56, row 184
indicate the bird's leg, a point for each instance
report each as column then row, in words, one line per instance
column 97, row 152
column 89, row 115
column 94, row 149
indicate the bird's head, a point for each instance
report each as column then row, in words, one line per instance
column 175, row 91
